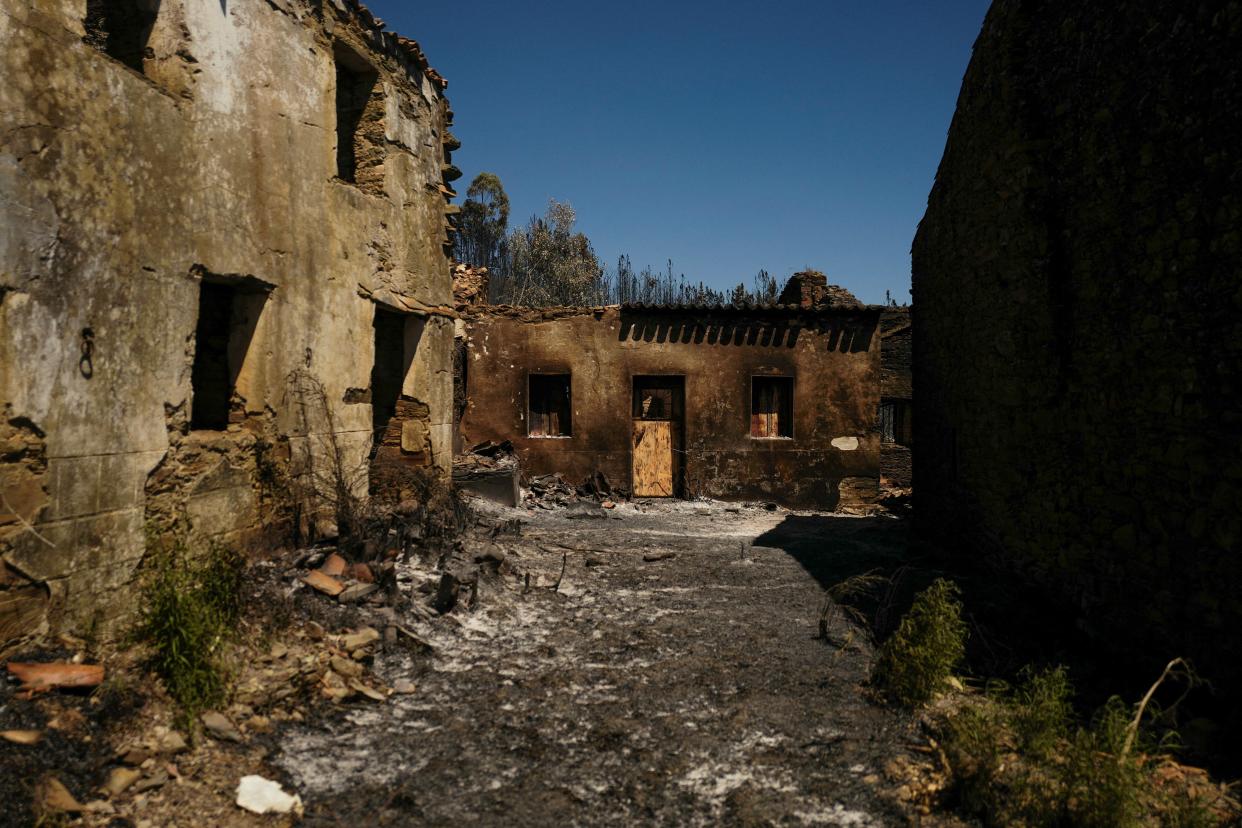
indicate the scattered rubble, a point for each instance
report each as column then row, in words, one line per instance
column 557, row 654
column 52, row 797
column 490, row 471
column 219, row 727
column 41, row 678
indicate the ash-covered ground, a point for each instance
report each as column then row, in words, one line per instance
column 598, row 679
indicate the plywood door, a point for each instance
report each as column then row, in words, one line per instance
column 653, row 458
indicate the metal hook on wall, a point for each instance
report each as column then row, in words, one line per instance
column 86, row 364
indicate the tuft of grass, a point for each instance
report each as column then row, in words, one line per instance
column 1041, row 711
column 916, row 661
column 192, row 600
column 1103, row 785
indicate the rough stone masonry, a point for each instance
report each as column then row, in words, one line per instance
column 223, row 266
column 1079, row 328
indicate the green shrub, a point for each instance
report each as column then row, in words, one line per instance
column 1018, row 758
column 1105, row 786
column 974, row 743
column 190, row 610
column 1041, row 712
column 916, row 660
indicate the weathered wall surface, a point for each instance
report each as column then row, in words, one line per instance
column 1079, row 327
column 120, row 191
column 896, row 384
column 833, row 357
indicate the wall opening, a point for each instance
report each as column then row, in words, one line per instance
column 388, row 370
column 120, row 29
column 461, row 376
column 656, row 467
column 896, row 422
column 359, row 120
column 228, row 314
column 211, row 379
column 550, row 413
column 771, row 407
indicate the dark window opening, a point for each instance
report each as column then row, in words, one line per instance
column 550, row 406
column 658, row 398
column 212, row 379
column 359, row 118
column 388, row 370
column 121, row 28
column 771, row 407
column 896, row 422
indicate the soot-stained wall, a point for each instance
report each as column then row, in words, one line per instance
column 832, row 356
column 1078, row 342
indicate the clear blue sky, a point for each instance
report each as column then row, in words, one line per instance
column 726, row 136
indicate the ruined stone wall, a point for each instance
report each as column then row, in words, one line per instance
column 207, row 155
column 896, row 385
column 832, row 459
column 1079, row 327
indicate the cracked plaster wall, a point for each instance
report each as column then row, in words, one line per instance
column 118, row 189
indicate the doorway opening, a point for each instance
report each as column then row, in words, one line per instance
column 387, row 372
column 657, row 459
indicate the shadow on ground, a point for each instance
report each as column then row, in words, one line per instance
column 833, row 548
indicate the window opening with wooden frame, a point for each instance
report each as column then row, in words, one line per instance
column 896, row 422
column 771, row 407
column 550, row 410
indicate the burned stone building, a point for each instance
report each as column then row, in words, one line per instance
column 223, row 267
column 1079, row 328
column 772, row 403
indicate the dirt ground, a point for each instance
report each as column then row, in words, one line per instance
column 675, row 676
column 658, row 663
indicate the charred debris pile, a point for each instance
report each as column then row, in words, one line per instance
column 493, row 472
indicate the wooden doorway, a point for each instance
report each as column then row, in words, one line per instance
column 659, row 419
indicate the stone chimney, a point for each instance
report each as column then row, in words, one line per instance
column 810, row 289
column 469, row 286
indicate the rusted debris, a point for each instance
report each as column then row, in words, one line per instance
column 41, row 678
